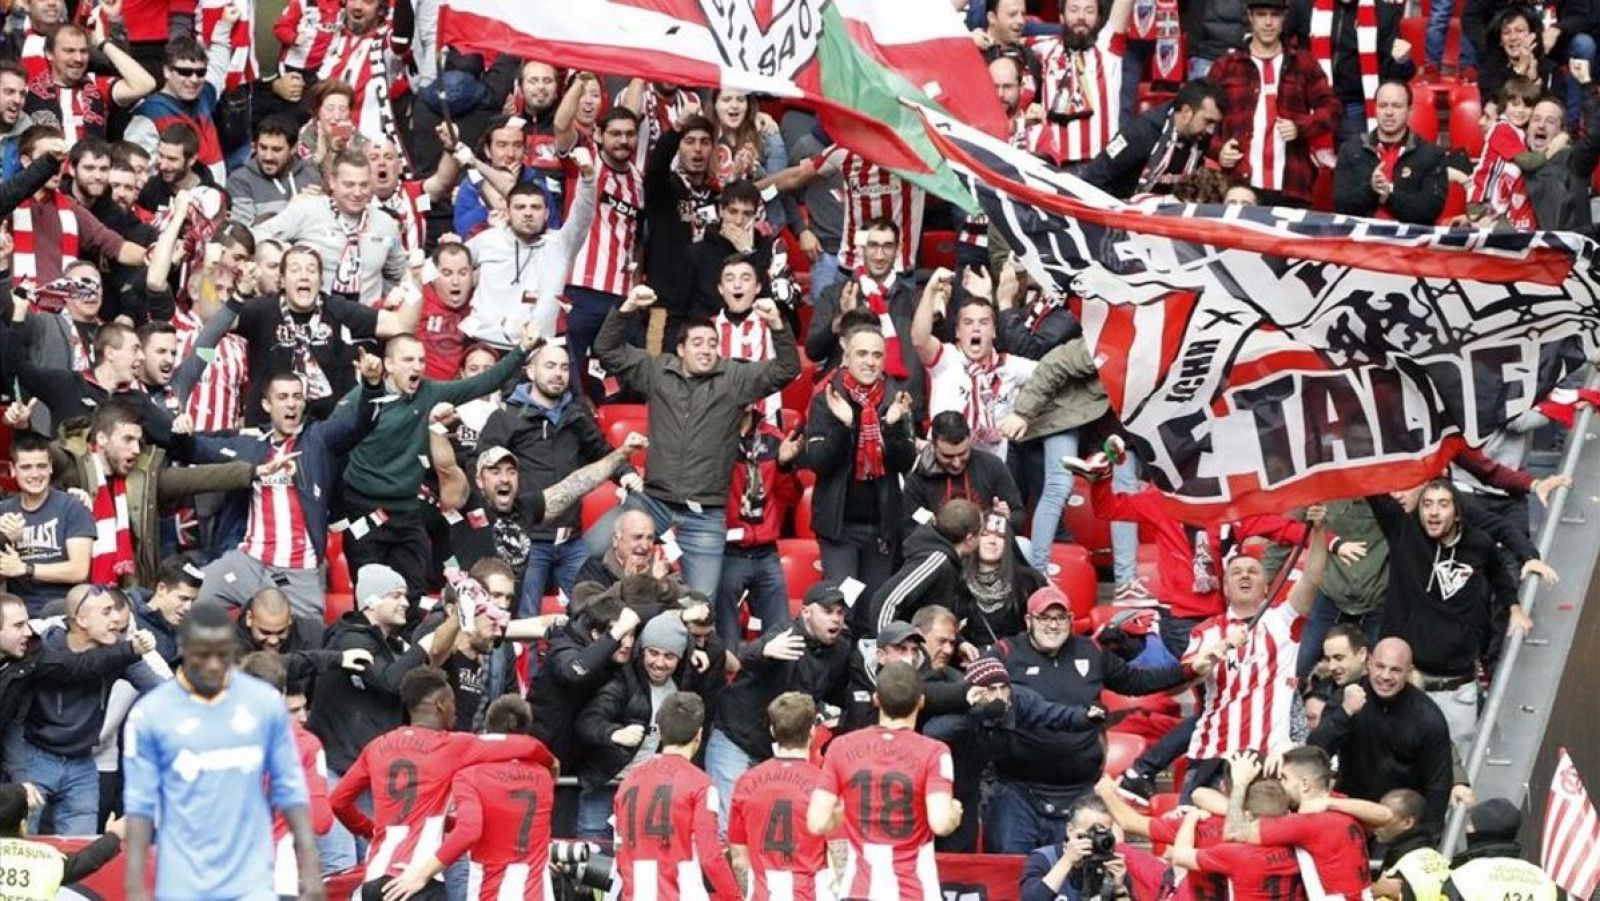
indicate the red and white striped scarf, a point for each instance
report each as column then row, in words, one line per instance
column 33, row 58
column 347, row 275
column 82, row 359
column 985, row 390
column 869, row 463
column 876, row 297
column 748, row 339
column 408, row 203
column 364, row 63
column 1366, row 49
column 242, row 66
column 24, row 263
column 113, row 527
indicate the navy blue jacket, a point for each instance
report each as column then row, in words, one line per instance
column 322, row 446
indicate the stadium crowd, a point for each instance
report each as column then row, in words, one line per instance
column 514, row 422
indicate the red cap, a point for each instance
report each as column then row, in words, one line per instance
column 1045, row 598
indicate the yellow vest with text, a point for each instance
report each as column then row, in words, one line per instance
column 29, row 871
column 1424, row 871
column 1501, row 879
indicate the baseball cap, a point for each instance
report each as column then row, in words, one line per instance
column 1045, row 598
column 898, row 633
column 825, row 593
column 492, row 457
column 1496, row 818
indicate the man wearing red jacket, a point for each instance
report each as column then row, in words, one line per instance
column 409, row 771
column 763, row 490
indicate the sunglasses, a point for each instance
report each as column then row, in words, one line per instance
column 93, row 592
column 189, row 73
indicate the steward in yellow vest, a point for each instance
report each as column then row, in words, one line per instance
column 1492, row 866
column 35, row 871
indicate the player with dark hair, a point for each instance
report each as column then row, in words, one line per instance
column 871, row 782
column 767, row 832
column 666, row 813
column 409, row 771
column 502, row 816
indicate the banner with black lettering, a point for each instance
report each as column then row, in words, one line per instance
column 1264, row 358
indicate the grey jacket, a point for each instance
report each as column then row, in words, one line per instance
column 693, row 420
column 255, row 196
column 1064, row 392
column 311, row 220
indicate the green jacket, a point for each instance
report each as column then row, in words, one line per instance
column 385, row 469
column 151, row 486
column 1063, row 393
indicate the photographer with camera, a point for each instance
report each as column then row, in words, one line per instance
column 1091, row 861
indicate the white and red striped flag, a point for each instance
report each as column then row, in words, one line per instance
column 1570, row 851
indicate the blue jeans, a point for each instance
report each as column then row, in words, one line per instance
column 1439, row 16
column 725, row 763
column 761, row 575
column 338, row 847
column 1053, row 499
column 457, row 876
column 1011, row 825
column 1125, row 535
column 1352, row 124
column 589, row 311
column 1324, row 614
column 543, row 556
column 594, row 813
column 824, row 272
column 701, row 536
column 71, row 789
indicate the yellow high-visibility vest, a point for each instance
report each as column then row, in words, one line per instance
column 29, row 871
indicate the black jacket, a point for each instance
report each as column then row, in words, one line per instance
column 546, row 453
column 706, row 257
column 671, row 206
column 352, row 709
column 823, row 672
column 822, row 345
column 1073, row 677
column 14, row 690
column 1054, row 328
column 930, row 574
column 943, row 691
column 1558, row 186
column 1400, row 742
column 985, row 478
column 623, row 701
column 1420, row 180
column 1214, row 27
column 1117, row 169
column 70, row 689
column 303, row 654
column 830, row 452
column 574, row 669
column 1450, row 602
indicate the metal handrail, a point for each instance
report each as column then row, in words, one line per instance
column 1455, row 828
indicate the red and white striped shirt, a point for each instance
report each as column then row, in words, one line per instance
column 242, row 65
column 605, row 261
column 275, row 533
column 873, row 192
column 1267, row 150
column 1085, row 87
column 33, row 58
column 1248, row 694
column 304, row 31
column 214, row 401
column 748, row 340
column 410, row 203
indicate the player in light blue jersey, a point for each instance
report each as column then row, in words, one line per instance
column 196, row 752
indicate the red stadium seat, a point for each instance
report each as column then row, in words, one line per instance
column 596, row 504
column 338, row 568
column 338, row 603
column 550, row 605
column 617, row 432
column 1414, row 31
column 1158, row 703
column 802, row 568
column 1086, row 528
column 802, row 516
column 1122, row 750
column 1161, row 805
column 1455, row 203
column 1424, row 112
column 1072, row 572
column 608, row 414
column 1466, row 113
column 797, row 394
column 1322, row 191
column 938, row 249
